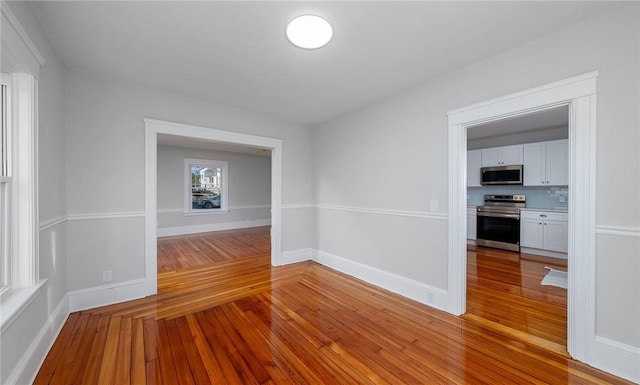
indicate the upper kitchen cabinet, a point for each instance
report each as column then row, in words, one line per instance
column 502, row 156
column 546, row 163
column 473, row 168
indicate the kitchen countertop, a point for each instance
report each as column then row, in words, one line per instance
column 555, row 209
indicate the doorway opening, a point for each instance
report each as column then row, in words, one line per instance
column 207, row 137
column 579, row 95
column 517, row 226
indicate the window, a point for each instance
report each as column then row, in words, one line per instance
column 5, row 190
column 205, row 186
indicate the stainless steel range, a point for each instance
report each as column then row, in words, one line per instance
column 499, row 221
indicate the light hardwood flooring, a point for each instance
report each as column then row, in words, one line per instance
column 179, row 252
column 244, row 322
column 504, row 292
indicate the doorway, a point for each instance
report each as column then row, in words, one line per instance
column 579, row 94
column 509, row 262
column 153, row 128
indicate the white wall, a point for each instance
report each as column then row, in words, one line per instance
column 105, row 168
column 391, row 158
column 249, row 190
column 27, row 339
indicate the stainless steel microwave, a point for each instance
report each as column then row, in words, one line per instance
column 501, row 175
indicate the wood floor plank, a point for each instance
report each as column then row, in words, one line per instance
column 232, row 318
column 110, row 356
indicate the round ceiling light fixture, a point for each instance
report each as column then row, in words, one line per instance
column 309, row 31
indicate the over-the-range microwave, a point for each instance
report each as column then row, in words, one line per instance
column 501, row 175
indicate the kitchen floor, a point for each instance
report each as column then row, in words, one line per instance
column 504, row 292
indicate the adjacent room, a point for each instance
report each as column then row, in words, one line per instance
column 361, row 192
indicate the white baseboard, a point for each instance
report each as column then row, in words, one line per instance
column 616, row 358
column 183, row 230
column 107, row 294
column 423, row 293
column 27, row 368
column 294, row 256
column 544, row 253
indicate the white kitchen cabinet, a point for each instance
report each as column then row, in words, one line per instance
column 502, row 156
column 546, row 163
column 544, row 230
column 473, row 168
column 472, row 225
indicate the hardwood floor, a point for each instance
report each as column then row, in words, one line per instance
column 245, row 322
column 183, row 251
column 504, row 292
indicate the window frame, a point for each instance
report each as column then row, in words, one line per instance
column 6, row 187
column 194, row 162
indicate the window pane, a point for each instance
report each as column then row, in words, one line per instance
column 5, row 188
column 206, row 187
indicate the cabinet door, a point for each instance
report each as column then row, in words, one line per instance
column 473, row 168
column 557, row 169
column 510, row 155
column 472, row 226
column 490, row 157
column 531, row 233
column 534, row 164
column 556, row 237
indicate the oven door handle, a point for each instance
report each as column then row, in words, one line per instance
column 499, row 215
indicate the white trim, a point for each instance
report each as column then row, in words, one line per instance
column 154, row 127
column 26, row 370
column 398, row 284
column 622, row 231
column 616, row 358
column 412, row 214
column 19, row 54
column 295, row 256
column 550, row 93
column 205, row 228
column 545, row 253
column 298, row 206
column 96, row 216
column 231, row 208
column 107, row 294
column 249, row 207
column 24, row 194
column 15, row 302
column 44, row 225
column 188, row 194
column 579, row 93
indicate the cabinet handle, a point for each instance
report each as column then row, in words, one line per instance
column 543, row 215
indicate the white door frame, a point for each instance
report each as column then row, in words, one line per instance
column 152, row 129
column 579, row 94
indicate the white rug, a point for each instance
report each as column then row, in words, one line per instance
column 555, row 278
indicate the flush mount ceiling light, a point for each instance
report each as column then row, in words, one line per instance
column 309, row 31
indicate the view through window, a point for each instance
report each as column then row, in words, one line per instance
column 207, row 186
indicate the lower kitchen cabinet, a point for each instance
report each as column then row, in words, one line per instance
column 544, row 231
column 472, row 224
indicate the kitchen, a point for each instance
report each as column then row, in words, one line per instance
column 517, row 225
column 520, row 164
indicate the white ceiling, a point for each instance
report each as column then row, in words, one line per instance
column 201, row 144
column 235, row 53
column 552, row 118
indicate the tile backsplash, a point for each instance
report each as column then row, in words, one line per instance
column 538, row 197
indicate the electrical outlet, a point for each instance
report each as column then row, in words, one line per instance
column 434, row 205
column 430, row 298
column 107, row 276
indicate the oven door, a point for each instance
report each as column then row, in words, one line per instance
column 499, row 230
